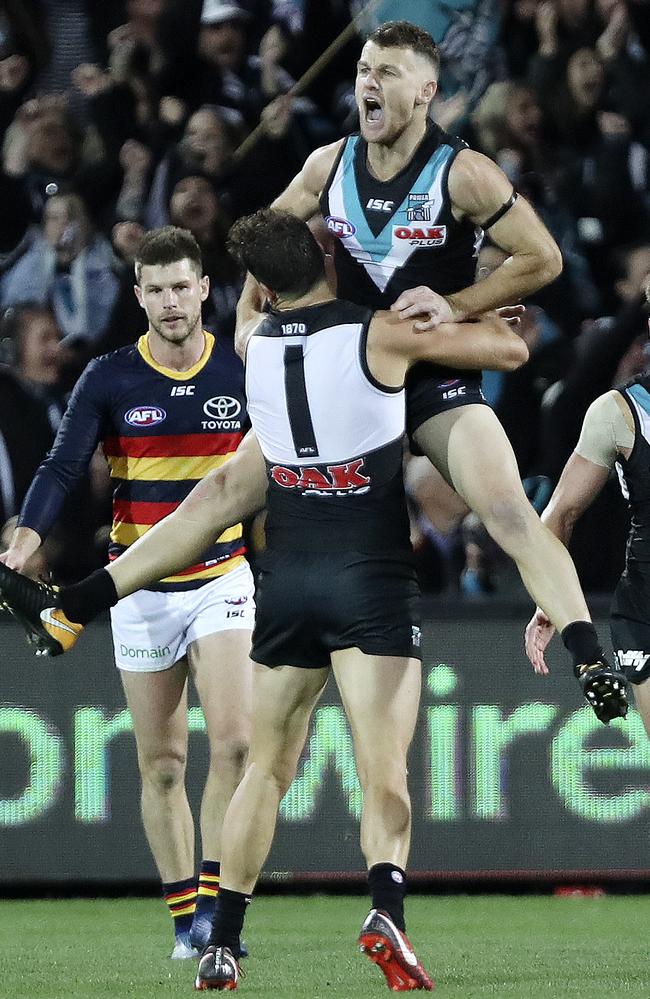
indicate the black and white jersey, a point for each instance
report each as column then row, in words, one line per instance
column 400, row 233
column 331, row 435
column 632, row 597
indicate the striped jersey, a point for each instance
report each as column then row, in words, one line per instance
column 161, row 432
column 400, row 233
column 331, row 435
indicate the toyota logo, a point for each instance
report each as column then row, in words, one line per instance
column 222, row 407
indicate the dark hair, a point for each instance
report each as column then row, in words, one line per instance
column 404, row 35
column 166, row 246
column 279, row 250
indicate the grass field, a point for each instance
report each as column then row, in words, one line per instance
column 526, row 947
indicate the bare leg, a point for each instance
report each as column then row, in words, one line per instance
column 283, row 700
column 642, row 701
column 469, row 447
column 223, row 676
column 381, row 695
column 158, row 706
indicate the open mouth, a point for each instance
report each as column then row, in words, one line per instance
column 374, row 112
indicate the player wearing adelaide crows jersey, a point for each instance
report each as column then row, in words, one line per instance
column 166, row 412
column 405, row 203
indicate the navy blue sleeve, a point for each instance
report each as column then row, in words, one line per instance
column 81, row 429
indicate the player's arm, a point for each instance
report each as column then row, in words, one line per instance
column 607, row 432
column 68, row 459
column 302, row 196
column 223, row 498
column 248, row 314
column 480, row 191
column 489, row 342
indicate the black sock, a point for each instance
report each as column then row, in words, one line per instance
column 387, row 887
column 83, row 601
column 582, row 642
column 228, row 919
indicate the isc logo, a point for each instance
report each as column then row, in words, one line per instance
column 377, row 205
column 145, row 416
column 182, row 390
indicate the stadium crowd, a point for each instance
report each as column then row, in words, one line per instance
column 121, row 117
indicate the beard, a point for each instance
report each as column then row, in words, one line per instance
column 179, row 333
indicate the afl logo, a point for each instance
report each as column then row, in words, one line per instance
column 145, row 416
column 340, row 227
column 222, row 407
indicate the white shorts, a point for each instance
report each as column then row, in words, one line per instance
column 151, row 631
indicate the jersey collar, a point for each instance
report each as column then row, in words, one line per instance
column 179, row 376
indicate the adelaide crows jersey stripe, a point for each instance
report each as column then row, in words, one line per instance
column 161, row 432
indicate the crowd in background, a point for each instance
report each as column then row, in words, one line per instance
column 127, row 115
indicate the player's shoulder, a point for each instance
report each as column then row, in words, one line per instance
column 318, row 164
column 611, row 407
column 101, row 373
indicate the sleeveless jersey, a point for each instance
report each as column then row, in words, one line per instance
column 632, row 597
column 330, row 434
column 161, row 432
column 401, row 233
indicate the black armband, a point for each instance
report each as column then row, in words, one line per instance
column 500, row 212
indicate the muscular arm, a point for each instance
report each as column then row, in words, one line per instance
column 478, row 188
column 224, row 497
column 394, row 345
column 607, row 431
column 301, row 197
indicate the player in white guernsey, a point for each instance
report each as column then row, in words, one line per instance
column 337, row 590
column 406, row 204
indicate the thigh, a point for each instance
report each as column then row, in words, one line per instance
column 158, row 705
column 381, row 697
column 221, row 668
column 470, row 448
column 283, row 701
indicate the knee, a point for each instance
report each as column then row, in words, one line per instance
column 509, row 517
column 384, row 777
column 164, row 772
column 277, row 772
column 229, row 752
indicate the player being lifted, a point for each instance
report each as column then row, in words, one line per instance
column 405, row 204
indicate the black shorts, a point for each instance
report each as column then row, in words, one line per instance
column 631, row 643
column 310, row 604
column 430, row 391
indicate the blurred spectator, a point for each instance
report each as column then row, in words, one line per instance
column 25, row 436
column 68, row 265
column 37, row 356
column 194, row 205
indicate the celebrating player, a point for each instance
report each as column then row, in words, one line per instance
column 405, row 204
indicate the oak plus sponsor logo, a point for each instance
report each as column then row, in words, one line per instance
column 340, row 227
column 145, row 416
column 421, row 235
column 325, row 480
column 223, row 412
column 133, row 652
